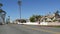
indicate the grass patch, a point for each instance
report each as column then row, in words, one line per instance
column 57, row 26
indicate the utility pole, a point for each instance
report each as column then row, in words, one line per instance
column 19, row 3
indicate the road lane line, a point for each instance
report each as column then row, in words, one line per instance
column 42, row 30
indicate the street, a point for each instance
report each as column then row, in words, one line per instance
column 27, row 29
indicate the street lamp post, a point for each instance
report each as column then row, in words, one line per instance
column 19, row 3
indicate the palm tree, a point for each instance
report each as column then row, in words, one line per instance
column 1, row 5
column 19, row 3
column 2, row 15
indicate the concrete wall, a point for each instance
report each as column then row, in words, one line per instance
column 54, row 23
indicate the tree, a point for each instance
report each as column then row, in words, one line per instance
column 32, row 19
column 57, row 13
column 38, row 17
column 1, row 5
column 19, row 3
column 21, row 20
column 2, row 13
column 35, row 18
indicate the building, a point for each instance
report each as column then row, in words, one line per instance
column 51, row 18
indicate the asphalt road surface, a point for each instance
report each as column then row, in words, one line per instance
column 27, row 29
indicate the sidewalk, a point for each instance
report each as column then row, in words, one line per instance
column 33, row 23
column 42, row 23
column 29, row 23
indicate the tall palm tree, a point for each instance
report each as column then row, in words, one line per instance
column 2, row 13
column 19, row 3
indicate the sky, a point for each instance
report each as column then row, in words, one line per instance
column 29, row 8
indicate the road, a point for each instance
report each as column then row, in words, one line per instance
column 27, row 29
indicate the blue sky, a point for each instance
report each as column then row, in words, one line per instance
column 30, row 7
